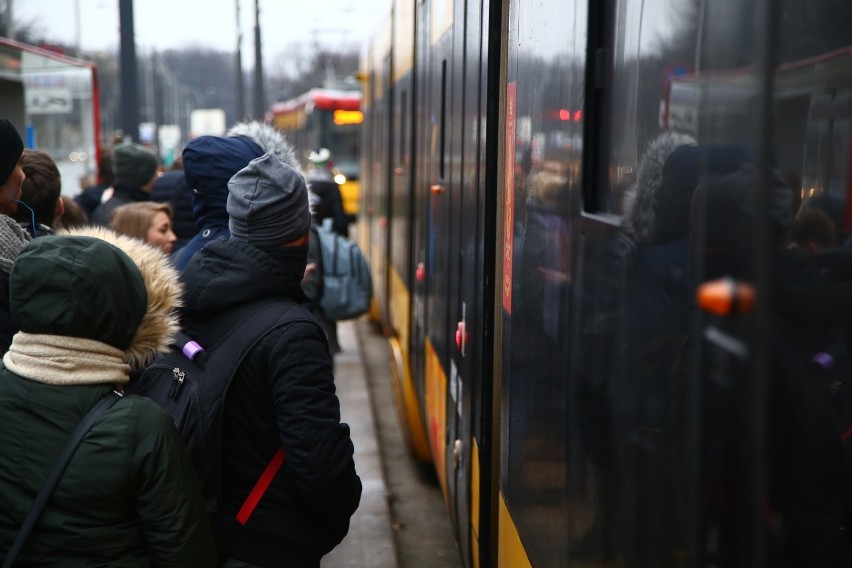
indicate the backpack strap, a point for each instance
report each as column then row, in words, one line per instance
column 56, row 472
column 253, row 322
column 261, row 486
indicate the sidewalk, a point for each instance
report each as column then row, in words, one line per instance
column 370, row 540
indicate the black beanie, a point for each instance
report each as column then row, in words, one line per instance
column 11, row 148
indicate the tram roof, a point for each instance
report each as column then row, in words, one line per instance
column 320, row 98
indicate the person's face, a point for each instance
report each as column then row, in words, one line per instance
column 160, row 233
column 10, row 191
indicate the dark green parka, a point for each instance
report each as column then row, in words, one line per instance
column 129, row 497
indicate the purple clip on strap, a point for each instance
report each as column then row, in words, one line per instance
column 191, row 349
column 824, row 360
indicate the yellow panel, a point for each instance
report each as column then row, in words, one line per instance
column 408, row 405
column 350, row 192
column 290, row 121
column 436, row 412
column 510, row 551
column 442, row 18
column 474, row 503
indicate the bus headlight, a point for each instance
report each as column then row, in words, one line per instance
column 340, row 179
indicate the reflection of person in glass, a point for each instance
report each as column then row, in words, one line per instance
column 547, row 250
column 540, row 316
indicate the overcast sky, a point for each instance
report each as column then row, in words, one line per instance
column 164, row 24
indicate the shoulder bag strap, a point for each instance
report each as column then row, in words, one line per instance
column 56, row 473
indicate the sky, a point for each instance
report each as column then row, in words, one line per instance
column 340, row 25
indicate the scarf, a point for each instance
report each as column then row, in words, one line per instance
column 62, row 360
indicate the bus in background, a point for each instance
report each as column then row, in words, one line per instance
column 326, row 118
column 52, row 100
column 813, row 136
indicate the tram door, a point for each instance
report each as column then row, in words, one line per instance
column 723, row 432
column 467, row 334
column 443, row 394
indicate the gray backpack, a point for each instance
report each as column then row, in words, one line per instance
column 347, row 287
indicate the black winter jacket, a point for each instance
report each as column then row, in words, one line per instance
column 121, row 196
column 283, row 393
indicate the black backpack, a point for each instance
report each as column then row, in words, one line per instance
column 190, row 384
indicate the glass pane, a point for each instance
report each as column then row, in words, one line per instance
column 547, row 54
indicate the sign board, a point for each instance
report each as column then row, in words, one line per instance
column 48, row 100
column 207, row 122
column 169, row 141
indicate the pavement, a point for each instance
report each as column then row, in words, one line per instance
column 370, row 542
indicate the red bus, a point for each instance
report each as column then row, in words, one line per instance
column 326, row 118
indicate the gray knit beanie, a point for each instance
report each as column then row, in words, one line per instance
column 134, row 165
column 268, row 203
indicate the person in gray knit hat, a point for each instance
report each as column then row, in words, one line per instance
column 268, row 203
column 12, row 237
column 283, row 391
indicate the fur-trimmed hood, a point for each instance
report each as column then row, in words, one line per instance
column 271, row 140
column 641, row 199
column 162, row 284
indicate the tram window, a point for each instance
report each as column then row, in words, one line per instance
column 403, row 123
column 443, row 141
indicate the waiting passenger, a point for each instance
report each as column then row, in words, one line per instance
column 209, row 162
column 40, row 205
column 321, row 182
column 812, row 232
column 89, row 307
column 171, row 188
column 325, row 203
column 283, row 392
column 72, row 214
column 808, row 391
column 136, row 170
column 89, row 199
column 12, row 237
column 147, row 221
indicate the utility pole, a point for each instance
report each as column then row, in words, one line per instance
column 259, row 104
column 129, row 79
column 10, row 22
column 241, row 99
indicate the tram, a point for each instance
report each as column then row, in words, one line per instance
column 326, row 118
column 602, row 333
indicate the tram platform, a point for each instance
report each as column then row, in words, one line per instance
column 402, row 523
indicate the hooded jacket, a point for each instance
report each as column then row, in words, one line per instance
column 89, row 310
column 282, row 393
column 208, row 164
